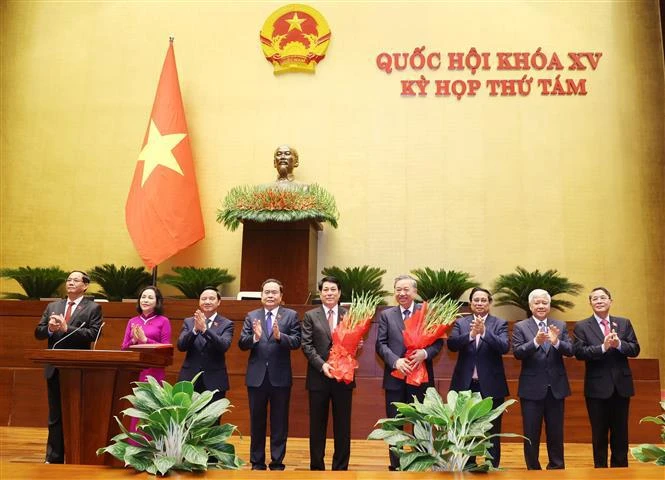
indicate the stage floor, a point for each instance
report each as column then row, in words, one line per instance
column 22, row 454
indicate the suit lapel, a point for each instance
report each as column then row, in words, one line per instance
column 77, row 312
column 533, row 328
column 323, row 320
column 595, row 329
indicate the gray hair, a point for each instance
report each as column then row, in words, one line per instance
column 539, row 292
column 414, row 284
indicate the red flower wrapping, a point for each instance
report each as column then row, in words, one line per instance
column 416, row 338
column 343, row 352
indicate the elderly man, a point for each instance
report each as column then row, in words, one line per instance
column 391, row 349
column 269, row 333
column 72, row 323
column 481, row 339
column 541, row 343
column 285, row 161
column 605, row 342
column 317, row 328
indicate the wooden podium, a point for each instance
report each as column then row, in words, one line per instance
column 92, row 383
column 283, row 250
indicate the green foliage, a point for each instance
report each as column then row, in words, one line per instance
column 358, row 280
column 444, row 435
column 514, row 288
column 39, row 282
column 180, row 430
column 119, row 283
column 437, row 283
column 191, row 280
column 270, row 203
column 647, row 452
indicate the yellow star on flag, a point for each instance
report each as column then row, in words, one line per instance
column 295, row 22
column 158, row 151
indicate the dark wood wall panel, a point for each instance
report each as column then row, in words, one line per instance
column 23, row 402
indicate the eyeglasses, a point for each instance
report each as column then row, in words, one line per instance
column 602, row 297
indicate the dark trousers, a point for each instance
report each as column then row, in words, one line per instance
column 495, row 449
column 319, row 406
column 609, row 416
column 55, row 444
column 405, row 395
column 533, row 413
column 259, row 398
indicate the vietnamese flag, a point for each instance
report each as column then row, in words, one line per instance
column 163, row 211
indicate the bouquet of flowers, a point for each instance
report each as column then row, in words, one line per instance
column 424, row 327
column 348, row 333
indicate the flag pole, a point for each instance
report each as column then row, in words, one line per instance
column 154, row 276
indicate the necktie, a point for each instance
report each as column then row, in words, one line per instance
column 68, row 312
column 606, row 326
column 331, row 320
column 208, row 322
column 407, row 314
column 269, row 322
column 543, row 328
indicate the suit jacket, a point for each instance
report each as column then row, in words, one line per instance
column 606, row 371
column 268, row 354
column 316, row 345
column 87, row 312
column 486, row 357
column 540, row 368
column 206, row 352
column 390, row 347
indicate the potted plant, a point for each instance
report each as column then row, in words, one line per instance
column 191, row 280
column 514, row 288
column 359, row 280
column 177, row 430
column 445, row 435
column 38, row 282
column 648, row 452
column 437, row 283
column 118, row 283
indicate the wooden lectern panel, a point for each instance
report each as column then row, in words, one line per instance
column 283, row 250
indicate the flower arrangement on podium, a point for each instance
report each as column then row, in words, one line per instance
column 277, row 203
column 347, row 336
column 427, row 324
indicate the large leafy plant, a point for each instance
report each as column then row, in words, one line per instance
column 648, row 452
column 438, row 283
column 177, row 429
column 39, row 282
column 270, row 203
column 514, row 288
column 358, row 280
column 445, row 435
column 191, row 280
column 118, row 283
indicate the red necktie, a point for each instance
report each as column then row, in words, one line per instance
column 606, row 326
column 68, row 312
column 331, row 320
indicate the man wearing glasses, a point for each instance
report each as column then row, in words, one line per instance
column 605, row 342
column 72, row 323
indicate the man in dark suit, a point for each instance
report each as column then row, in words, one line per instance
column 605, row 342
column 481, row 339
column 541, row 343
column 72, row 323
column 390, row 347
column 317, row 328
column 206, row 337
column 269, row 333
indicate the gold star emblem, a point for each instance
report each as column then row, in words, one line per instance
column 295, row 22
column 158, row 151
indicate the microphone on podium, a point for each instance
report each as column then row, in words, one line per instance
column 68, row 335
column 94, row 345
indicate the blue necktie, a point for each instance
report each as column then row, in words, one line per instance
column 269, row 323
column 546, row 345
column 407, row 313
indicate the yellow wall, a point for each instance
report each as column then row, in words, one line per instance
column 482, row 184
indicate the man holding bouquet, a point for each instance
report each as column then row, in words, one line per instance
column 317, row 329
column 392, row 350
